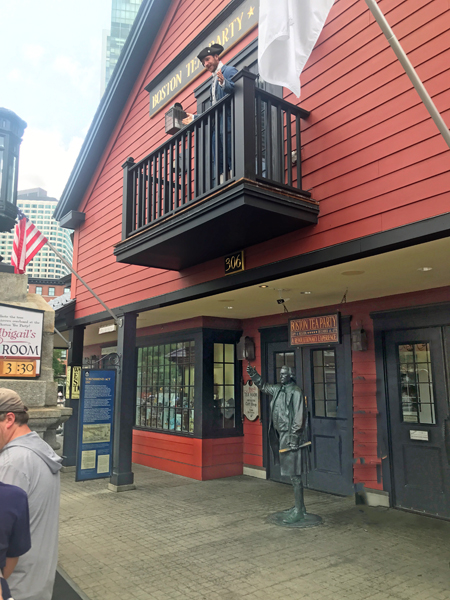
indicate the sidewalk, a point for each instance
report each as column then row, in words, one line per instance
column 176, row 538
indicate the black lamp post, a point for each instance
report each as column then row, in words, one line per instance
column 11, row 132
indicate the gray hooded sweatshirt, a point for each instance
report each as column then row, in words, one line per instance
column 31, row 464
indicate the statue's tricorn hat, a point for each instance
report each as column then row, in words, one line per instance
column 210, row 51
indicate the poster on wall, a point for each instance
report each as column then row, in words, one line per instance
column 20, row 341
column 96, row 417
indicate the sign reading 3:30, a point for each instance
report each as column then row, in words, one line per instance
column 17, row 368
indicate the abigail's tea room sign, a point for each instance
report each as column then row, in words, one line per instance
column 20, row 341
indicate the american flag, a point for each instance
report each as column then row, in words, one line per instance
column 28, row 240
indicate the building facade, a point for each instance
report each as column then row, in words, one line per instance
column 49, row 288
column 39, row 208
column 123, row 13
column 323, row 245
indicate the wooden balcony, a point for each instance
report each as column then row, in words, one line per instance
column 182, row 206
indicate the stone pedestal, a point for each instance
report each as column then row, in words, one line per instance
column 40, row 395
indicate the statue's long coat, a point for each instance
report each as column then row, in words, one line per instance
column 294, row 420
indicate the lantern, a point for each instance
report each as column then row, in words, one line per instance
column 174, row 118
column 11, row 132
column 245, row 349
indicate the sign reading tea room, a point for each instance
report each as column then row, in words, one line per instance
column 20, row 341
column 251, row 401
column 315, row 330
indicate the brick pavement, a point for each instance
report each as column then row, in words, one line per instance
column 176, row 538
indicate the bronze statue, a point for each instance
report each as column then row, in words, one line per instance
column 288, row 438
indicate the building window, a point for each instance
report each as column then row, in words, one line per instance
column 165, row 387
column 224, row 399
column 324, row 383
column 51, row 291
column 39, row 290
column 66, row 290
column 283, row 359
column 416, row 383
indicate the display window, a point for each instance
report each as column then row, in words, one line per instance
column 188, row 384
column 165, row 387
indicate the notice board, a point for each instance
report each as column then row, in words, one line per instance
column 95, row 430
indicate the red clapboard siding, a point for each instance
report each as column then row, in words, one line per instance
column 371, row 154
column 198, row 459
column 365, row 409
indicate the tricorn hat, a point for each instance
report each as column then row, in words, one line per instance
column 210, row 51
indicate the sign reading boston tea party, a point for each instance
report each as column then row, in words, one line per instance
column 20, row 341
column 227, row 34
column 314, row 330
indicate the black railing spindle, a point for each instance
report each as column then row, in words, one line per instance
column 247, row 135
column 288, row 147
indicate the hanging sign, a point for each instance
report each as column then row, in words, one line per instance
column 20, row 341
column 227, row 33
column 76, row 383
column 251, row 401
column 315, row 330
column 96, row 424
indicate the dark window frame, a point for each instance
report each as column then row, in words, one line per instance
column 204, row 339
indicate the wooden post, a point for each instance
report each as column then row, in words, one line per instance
column 244, row 125
column 122, row 477
column 127, row 202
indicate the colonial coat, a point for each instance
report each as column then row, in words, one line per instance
column 289, row 426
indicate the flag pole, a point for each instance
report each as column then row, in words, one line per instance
column 61, row 336
column 409, row 69
column 117, row 320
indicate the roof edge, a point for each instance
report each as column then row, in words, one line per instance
column 139, row 42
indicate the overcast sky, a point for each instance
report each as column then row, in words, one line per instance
column 50, row 63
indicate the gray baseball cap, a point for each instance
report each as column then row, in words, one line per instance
column 10, row 401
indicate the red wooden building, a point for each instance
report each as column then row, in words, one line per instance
column 337, row 203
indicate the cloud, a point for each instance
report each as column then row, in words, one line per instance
column 80, row 77
column 45, row 161
column 15, row 75
column 33, row 53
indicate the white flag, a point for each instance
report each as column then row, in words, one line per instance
column 288, row 31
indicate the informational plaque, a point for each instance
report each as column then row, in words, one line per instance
column 251, row 401
column 311, row 331
column 95, row 428
column 20, row 341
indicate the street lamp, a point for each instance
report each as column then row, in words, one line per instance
column 11, row 132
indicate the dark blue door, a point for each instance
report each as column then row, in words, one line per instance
column 324, row 374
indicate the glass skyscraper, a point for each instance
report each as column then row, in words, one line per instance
column 123, row 13
column 38, row 207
